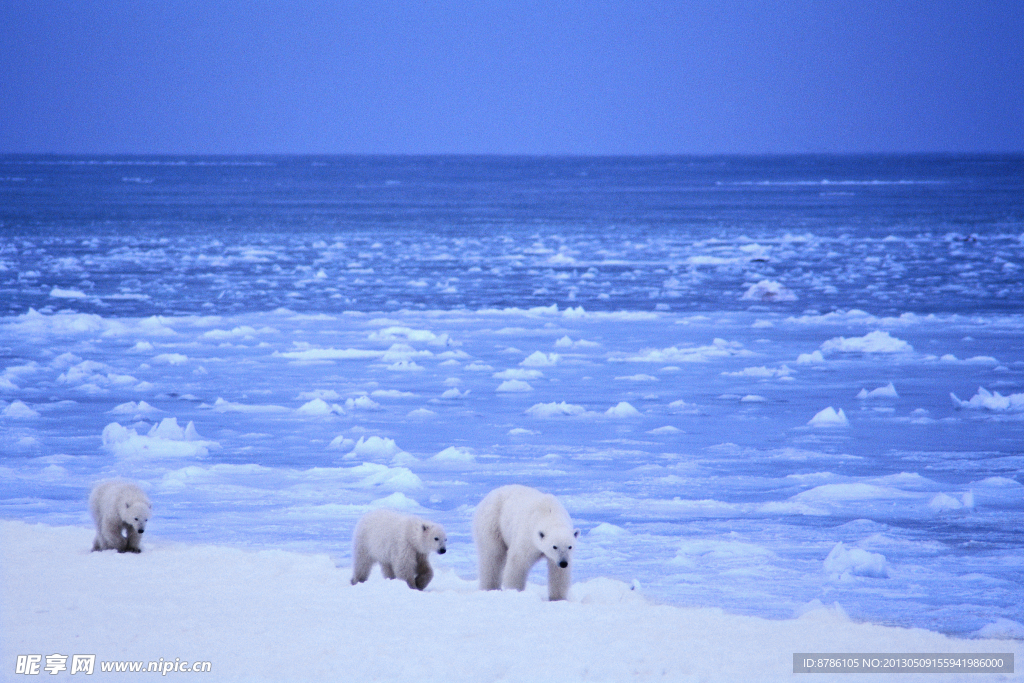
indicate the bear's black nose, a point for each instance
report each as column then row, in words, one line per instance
column 142, row 531
column 563, row 564
column 442, row 551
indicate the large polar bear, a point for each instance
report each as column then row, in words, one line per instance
column 400, row 543
column 120, row 510
column 513, row 527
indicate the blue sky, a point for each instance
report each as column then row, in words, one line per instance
column 690, row 76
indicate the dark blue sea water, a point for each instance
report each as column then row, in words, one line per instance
column 761, row 384
column 167, row 235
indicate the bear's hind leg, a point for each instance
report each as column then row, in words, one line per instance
column 424, row 572
column 559, row 581
column 361, row 567
column 387, row 570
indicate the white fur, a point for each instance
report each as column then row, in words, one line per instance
column 400, row 543
column 513, row 527
column 121, row 510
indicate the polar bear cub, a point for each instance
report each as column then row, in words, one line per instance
column 121, row 510
column 513, row 527
column 400, row 543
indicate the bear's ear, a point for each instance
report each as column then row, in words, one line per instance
column 127, row 505
column 576, row 533
column 541, row 534
column 424, row 527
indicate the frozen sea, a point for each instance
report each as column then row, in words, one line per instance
column 758, row 384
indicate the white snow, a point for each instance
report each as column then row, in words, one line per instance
column 273, row 615
column 514, row 386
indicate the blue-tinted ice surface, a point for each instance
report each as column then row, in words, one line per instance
column 724, row 367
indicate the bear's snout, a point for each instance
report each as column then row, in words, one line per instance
column 142, row 530
column 563, row 564
column 442, row 550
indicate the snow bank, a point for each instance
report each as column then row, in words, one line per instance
column 271, row 615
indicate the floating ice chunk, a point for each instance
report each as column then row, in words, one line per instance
column 319, row 408
column 519, row 431
column 518, row 373
column 968, row 500
column 606, row 530
column 222, row 406
column 514, row 386
column 421, row 413
column 454, row 454
column 994, row 401
column 602, row 590
column 829, row 417
column 566, row 342
column 888, row 391
column 1003, row 629
column 341, row 443
column 141, row 346
column 719, row 348
column 243, row 331
column 753, row 398
column 58, row 293
column 325, row 394
column 391, row 393
column 812, row 357
column 362, row 403
column 405, row 366
column 667, row 429
column 554, row 409
column 397, row 501
column 769, row 290
column 374, row 447
column 872, row 342
column 943, row 502
column 843, row 562
column 762, row 371
column 311, row 355
column 477, row 366
column 982, row 359
column 683, row 407
column 637, row 378
column 166, row 439
column 949, row 358
column 171, row 358
column 623, row 409
column 540, row 359
column 454, row 393
column 19, row 411
column 718, row 552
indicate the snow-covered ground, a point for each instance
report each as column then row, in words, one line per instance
column 274, row 615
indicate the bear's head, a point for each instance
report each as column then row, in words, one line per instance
column 135, row 513
column 433, row 538
column 556, row 544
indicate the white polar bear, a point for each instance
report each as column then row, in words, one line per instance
column 400, row 543
column 513, row 527
column 120, row 510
